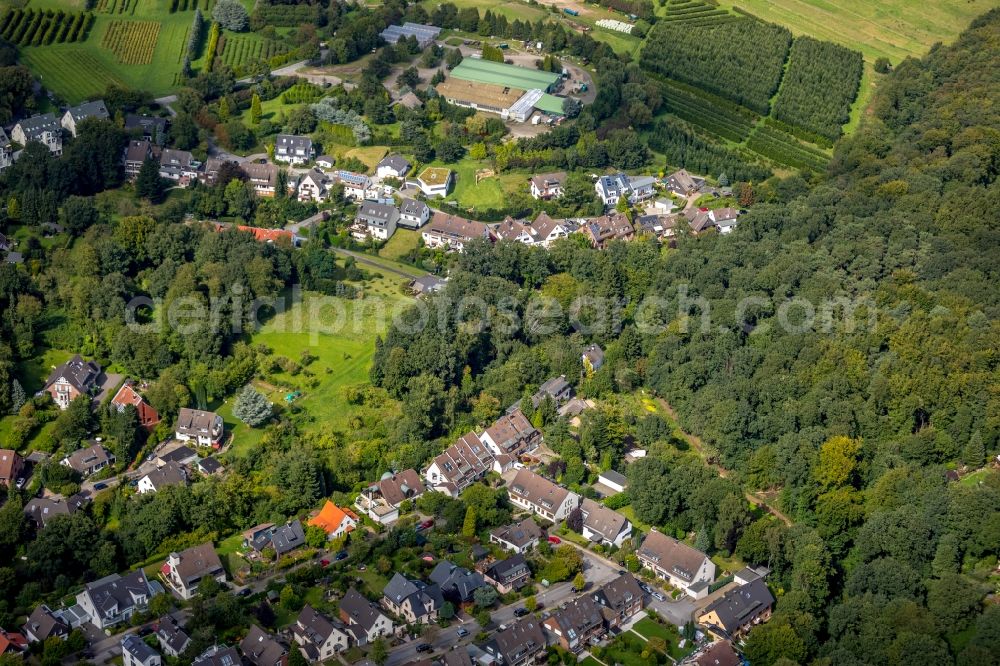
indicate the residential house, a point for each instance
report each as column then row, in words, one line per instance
column 720, row 653
column 365, row 621
column 506, row 575
column 616, row 481
column 434, row 181
column 137, row 152
column 325, row 161
column 73, row 378
column 613, row 187
column 683, row 183
column 40, row 510
column 260, row 649
column 115, row 599
column 89, row 460
column 184, row 571
column 519, row 644
column 620, row 598
column 178, row 166
column 413, row 600
column 537, row 494
column 172, row 639
column 44, row 129
column 319, row 638
column 6, row 154
column 511, row 435
column 557, row 388
column 452, row 232
column 576, row 623
column 381, row 501
column 218, row 655
column 75, row 114
column 413, row 213
column 12, row 643
column 135, row 652
column 602, row 230
column 262, row 177
column 517, row 537
column 548, row 185
column 198, row 426
column 43, row 624
column 392, row 166
column 288, row 537
column 603, row 525
column 460, row 465
column 357, row 186
column 592, row 358
column 333, row 520
column 293, row 149
column 733, row 614
column 681, row 565
column 168, row 474
column 210, row 466
column 427, row 284
column 128, row 395
column 149, row 128
column 456, row 583
column 375, row 220
column 313, row 185
column 660, row 226
column 11, row 465
column 181, row 455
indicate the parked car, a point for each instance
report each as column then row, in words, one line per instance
column 424, row 647
column 554, row 539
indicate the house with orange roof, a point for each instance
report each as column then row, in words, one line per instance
column 127, row 395
column 334, row 521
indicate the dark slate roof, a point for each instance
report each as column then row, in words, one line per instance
column 288, row 537
column 137, row 647
column 95, row 109
column 739, row 607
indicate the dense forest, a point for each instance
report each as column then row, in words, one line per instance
column 739, row 60
column 852, row 419
column 819, row 87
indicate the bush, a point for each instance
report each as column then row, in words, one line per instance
column 231, row 15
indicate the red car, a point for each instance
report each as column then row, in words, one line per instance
column 555, row 539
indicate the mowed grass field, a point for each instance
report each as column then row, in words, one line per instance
column 81, row 71
column 891, row 28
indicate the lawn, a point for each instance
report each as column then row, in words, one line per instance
column 83, row 70
column 489, row 193
column 400, row 244
column 891, row 28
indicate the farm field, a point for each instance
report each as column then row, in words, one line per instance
column 891, row 28
column 81, row 71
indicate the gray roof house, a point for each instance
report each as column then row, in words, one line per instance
column 318, row 637
column 135, row 652
column 413, row 600
column 392, row 166
column 114, row 599
column 172, row 639
column 457, row 584
column 364, row 620
column 260, row 649
column 293, row 149
column 75, row 114
column 43, row 128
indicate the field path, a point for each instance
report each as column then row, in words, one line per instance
column 712, row 460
